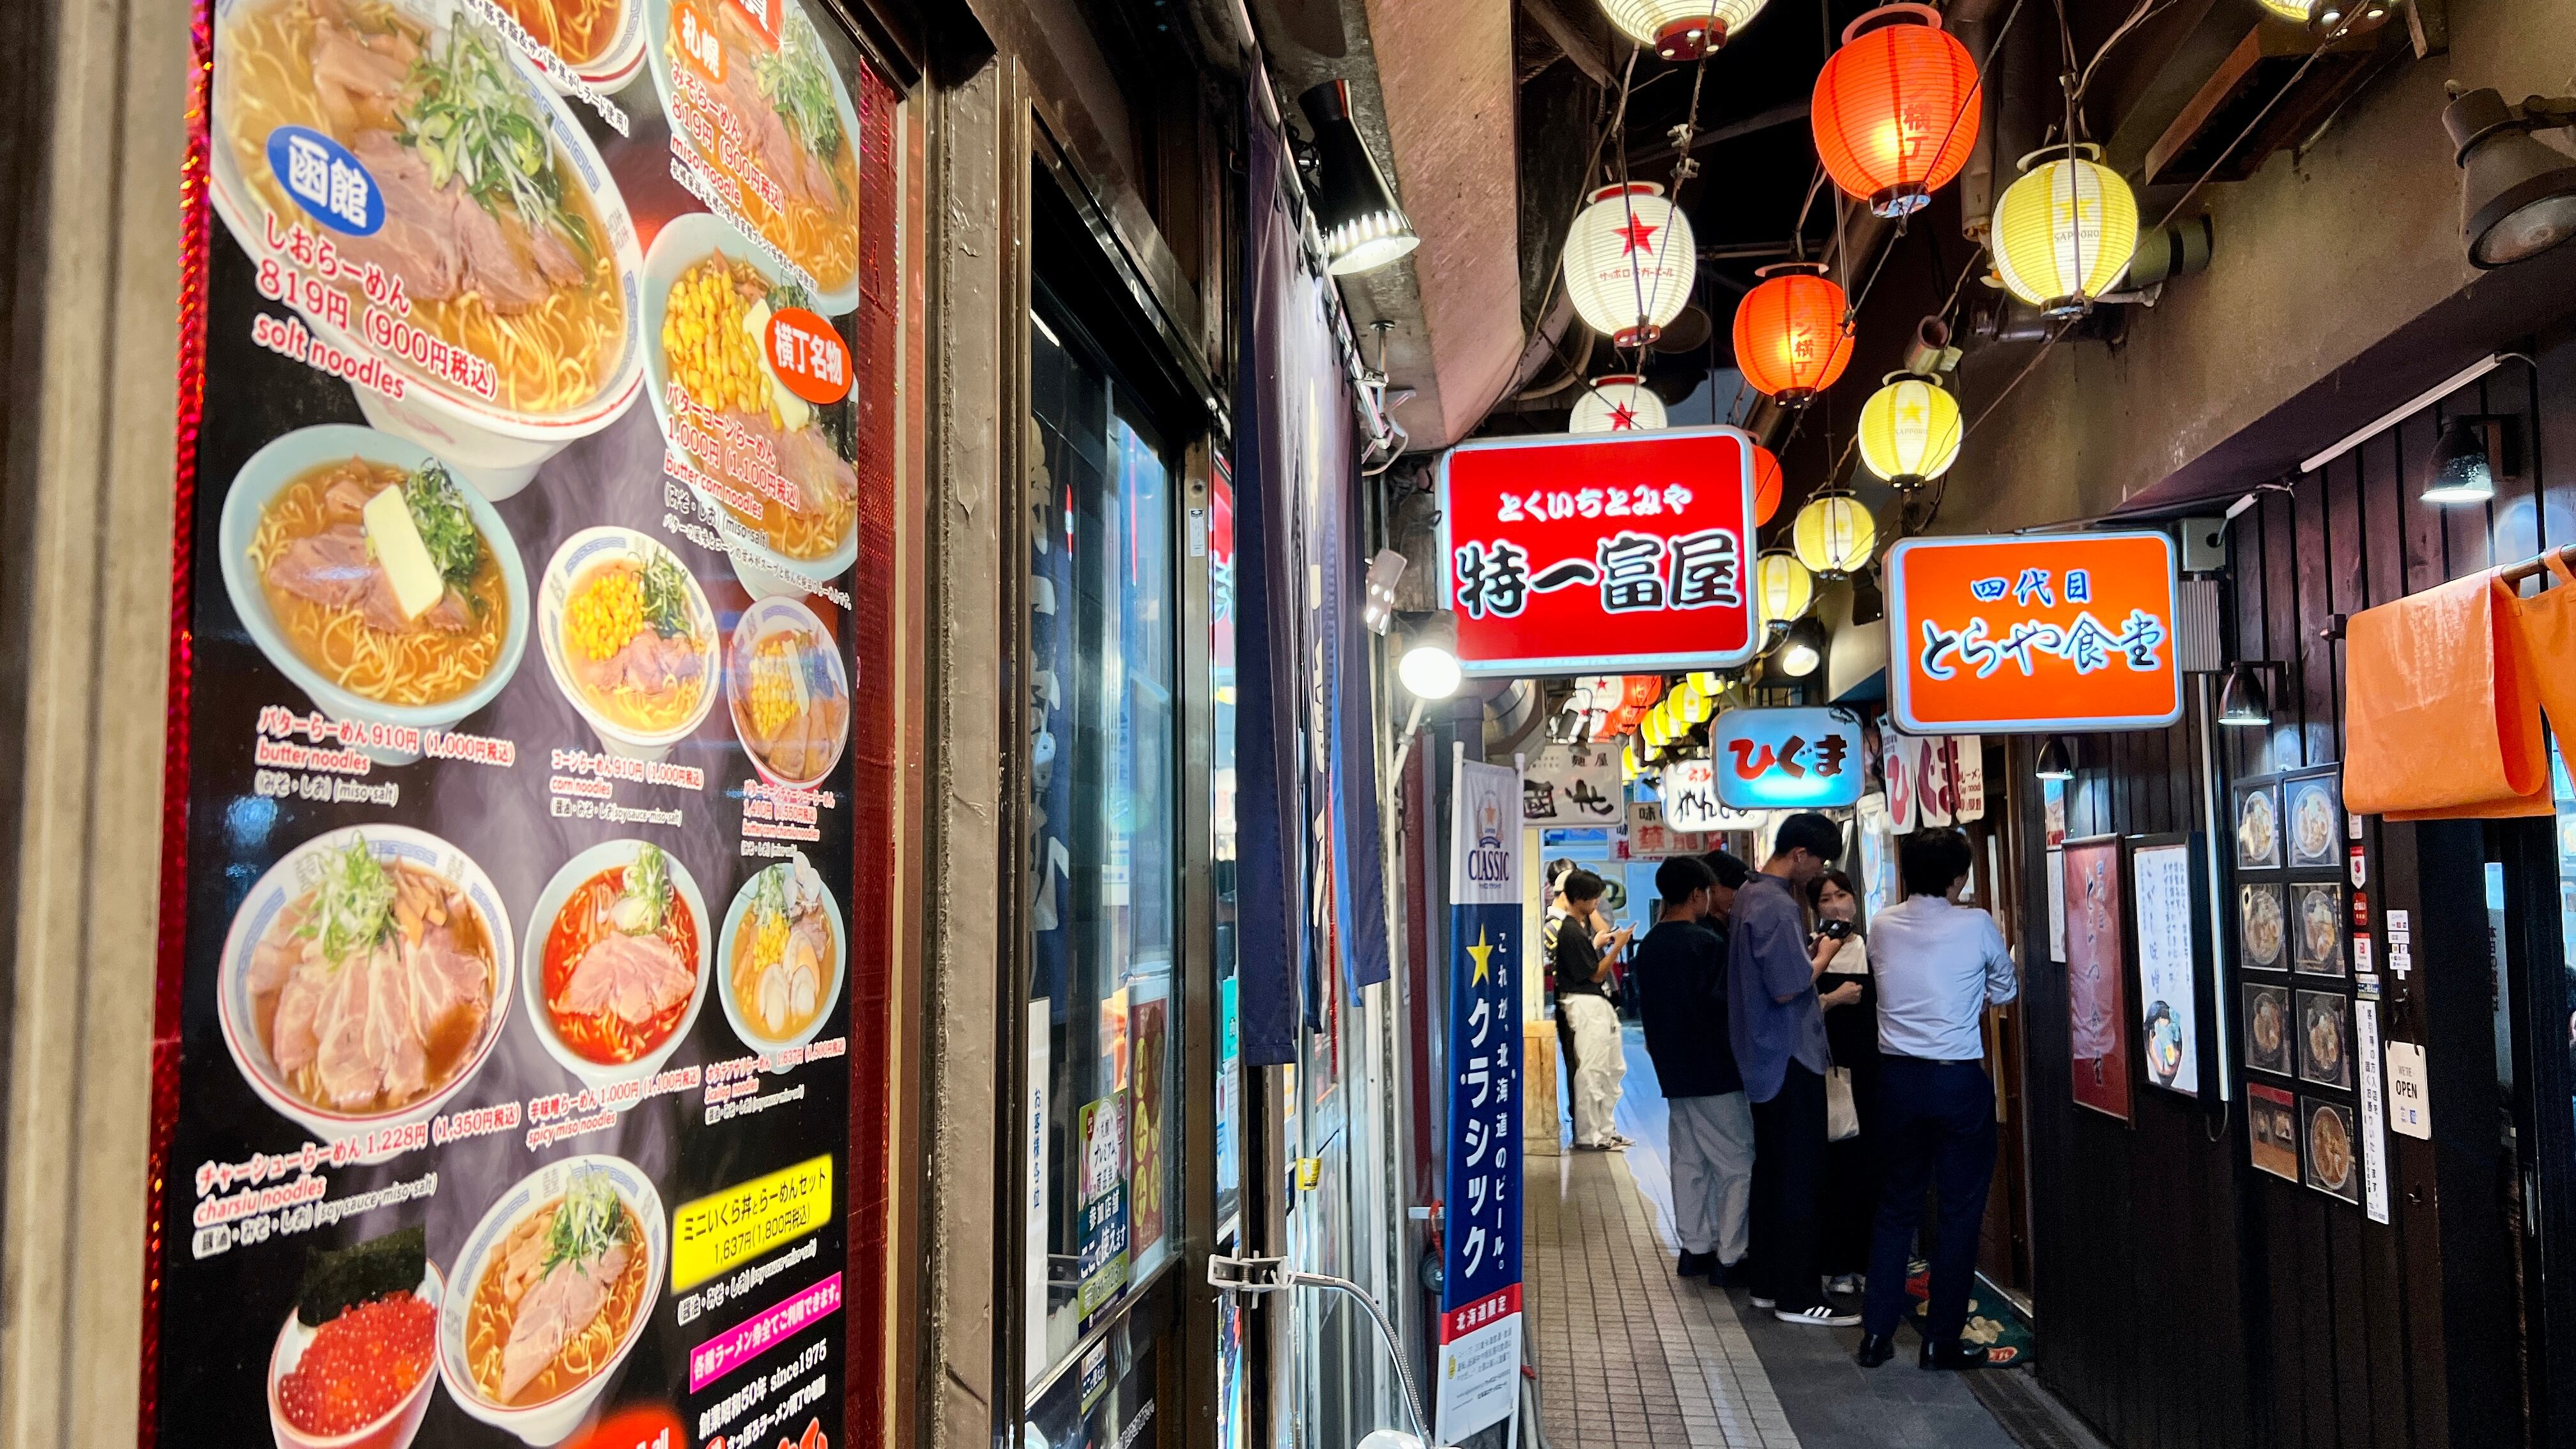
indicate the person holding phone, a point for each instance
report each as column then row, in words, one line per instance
column 1579, row 964
column 1849, row 999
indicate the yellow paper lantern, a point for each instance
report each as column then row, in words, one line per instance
column 1909, row 430
column 2064, row 233
column 1783, row 585
column 1708, row 684
column 1627, row 763
column 1834, row 534
column 1695, row 706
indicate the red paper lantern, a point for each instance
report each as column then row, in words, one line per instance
column 1791, row 340
column 1896, row 109
column 1766, row 484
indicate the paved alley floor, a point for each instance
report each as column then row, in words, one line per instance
column 1630, row 1355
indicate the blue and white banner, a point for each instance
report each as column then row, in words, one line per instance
column 1480, row 1260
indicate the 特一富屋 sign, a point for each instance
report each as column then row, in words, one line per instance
column 1601, row 553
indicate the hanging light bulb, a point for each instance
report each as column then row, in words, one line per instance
column 1909, row 430
column 1834, row 534
column 1783, row 584
column 1766, row 484
column 2064, row 233
column 1791, row 336
column 1896, row 108
column 1616, row 404
column 1630, row 262
column 1363, row 227
column 1681, row 29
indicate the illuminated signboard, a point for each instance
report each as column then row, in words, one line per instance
column 1787, row 759
column 2038, row 632
column 1690, row 803
column 1601, row 553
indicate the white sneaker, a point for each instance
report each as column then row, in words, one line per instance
column 1822, row 1316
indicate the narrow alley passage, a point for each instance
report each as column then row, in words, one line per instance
column 1629, row 1354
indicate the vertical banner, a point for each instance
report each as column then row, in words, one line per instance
column 2096, row 974
column 1480, row 1259
column 537, row 435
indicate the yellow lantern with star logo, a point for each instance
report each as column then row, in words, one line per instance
column 1834, row 534
column 1909, row 430
column 1783, row 585
column 2064, row 233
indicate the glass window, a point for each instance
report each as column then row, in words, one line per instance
column 1101, row 842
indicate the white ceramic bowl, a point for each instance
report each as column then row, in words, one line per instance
column 532, row 969
column 681, row 244
column 657, row 26
column 621, row 59
column 763, row 618
column 495, row 448
column 280, row 463
column 394, row 1429
column 293, row 876
column 581, row 553
column 552, row 1421
column 733, row 922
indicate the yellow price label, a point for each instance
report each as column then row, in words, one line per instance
column 724, row 1230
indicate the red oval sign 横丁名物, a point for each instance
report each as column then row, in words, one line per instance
column 808, row 356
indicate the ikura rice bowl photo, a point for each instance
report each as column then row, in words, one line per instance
column 366, row 977
column 354, row 1362
column 783, row 944
column 620, row 968
column 783, row 681
column 550, row 1293
column 506, row 235
column 630, row 638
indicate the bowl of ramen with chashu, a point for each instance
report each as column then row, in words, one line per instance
column 364, row 981
column 617, row 961
column 600, row 41
column 788, row 160
column 630, row 639
column 775, row 469
column 376, row 583
column 787, row 692
column 482, row 269
column 785, row 953
column 550, row 1294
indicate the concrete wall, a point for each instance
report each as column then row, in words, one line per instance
column 2321, row 257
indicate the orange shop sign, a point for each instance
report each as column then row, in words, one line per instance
column 2030, row 633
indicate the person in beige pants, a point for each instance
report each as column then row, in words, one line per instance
column 1579, row 972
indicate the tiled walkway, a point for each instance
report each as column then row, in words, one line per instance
column 1630, row 1355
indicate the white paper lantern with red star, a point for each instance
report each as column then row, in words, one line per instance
column 1616, row 404
column 1630, row 262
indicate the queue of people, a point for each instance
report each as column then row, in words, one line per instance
column 1818, row 1082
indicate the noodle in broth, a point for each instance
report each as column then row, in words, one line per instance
column 575, row 30
column 494, row 1308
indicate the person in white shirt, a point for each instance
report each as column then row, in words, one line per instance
column 1938, row 965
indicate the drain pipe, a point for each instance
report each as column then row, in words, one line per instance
column 1972, row 21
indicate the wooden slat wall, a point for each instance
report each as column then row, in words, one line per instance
column 2183, row 1298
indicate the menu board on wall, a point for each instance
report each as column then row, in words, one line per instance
column 2168, row 984
column 505, row 1029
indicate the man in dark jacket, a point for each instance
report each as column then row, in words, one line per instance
column 1680, row 972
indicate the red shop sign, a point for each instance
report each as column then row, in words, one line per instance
column 1600, row 553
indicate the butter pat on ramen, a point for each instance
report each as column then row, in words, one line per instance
column 395, row 540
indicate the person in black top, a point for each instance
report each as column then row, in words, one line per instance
column 1579, row 970
column 1680, row 973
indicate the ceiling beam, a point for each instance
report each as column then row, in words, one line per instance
column 1578, row 46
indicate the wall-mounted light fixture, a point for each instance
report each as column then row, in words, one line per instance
column 2245, row 702
column 2056, row 759
column 2518, row 197
column 1803, row 650
column 1385, row 571
column 2462, row 469
column 1355, row 209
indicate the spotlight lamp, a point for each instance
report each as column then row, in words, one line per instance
column 2462, row 470
column 1428, row 666
column 1803, row 649
column 2518, row 197
column 1909, row 430
column 1834, row 534
column 2056, row 759
column 1363, row 226
column 2064, row 232
column 1377, row 609
column 1681, row 29
column 2243, row 701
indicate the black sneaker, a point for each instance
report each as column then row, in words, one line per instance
column 1693, row 1265
column 1954, row 1356
column 1876, row 1349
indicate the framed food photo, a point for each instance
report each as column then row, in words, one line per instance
column 2261, row 935
column 2096, row 975
column 2325, row 1039
column 2258, row 825
column 2267, row 1030
column 2316, row 928
column 2312, row 818
column 2272, row 1127
column 2334, row 1151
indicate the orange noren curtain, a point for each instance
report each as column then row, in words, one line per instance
column 2440, row 715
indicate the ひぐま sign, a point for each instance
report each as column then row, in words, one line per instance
column 2059, row 632
column 1787, row 759
column 1591, row 552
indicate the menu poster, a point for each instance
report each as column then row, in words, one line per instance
column 534, row 409
column 2168, row 983
column 2096, row 994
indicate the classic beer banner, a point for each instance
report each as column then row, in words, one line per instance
column 1478, row 1378
column 507, row 997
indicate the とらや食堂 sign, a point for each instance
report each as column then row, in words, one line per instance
column 1596, row 553
column 2045, row 631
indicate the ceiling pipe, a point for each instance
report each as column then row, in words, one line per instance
column 1972, row 21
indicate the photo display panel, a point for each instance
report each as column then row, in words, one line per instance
column 537, row 418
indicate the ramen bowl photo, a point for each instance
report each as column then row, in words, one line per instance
column 786, row 951
column 602, row 41
column 466, row 182
column 551, row 1292
column 787, row 693
column 409, row 609
column 708, row 296
column 365, row 980
column 630, row 639
column 617, row 962
column 362, row 1378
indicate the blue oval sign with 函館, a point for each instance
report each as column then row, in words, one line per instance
column 327, row 180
